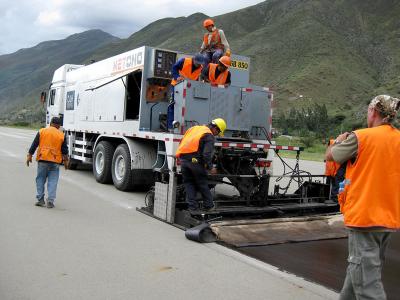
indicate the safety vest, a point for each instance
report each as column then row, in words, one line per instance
column 222, row 77
column 331, row 167
column 186, row 71
column 191, row 140
column 50, row 141
column 371, row 196
column 215, row 41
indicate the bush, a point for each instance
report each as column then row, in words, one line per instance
column 307, row 141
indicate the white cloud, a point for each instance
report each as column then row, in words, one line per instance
column 49, row 18
column 26, row 23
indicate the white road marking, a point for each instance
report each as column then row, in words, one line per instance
column 8, row 153
column 15, row 136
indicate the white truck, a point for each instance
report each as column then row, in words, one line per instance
column 114, row 115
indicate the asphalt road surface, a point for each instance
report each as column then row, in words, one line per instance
column 95, row 245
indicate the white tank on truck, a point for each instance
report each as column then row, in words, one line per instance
column 114, row 115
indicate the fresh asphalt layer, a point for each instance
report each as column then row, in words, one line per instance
column 95, row 245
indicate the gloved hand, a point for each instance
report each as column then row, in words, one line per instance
column 213, row 171
column 66, row 161
column 228, row 53
column 28, row 159
column 194, row 160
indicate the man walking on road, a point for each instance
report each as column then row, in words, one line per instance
column 196, row 152
column 52, row 151
column 369, row 196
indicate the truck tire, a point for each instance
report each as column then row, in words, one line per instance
column 121, row 168
column 102, row 160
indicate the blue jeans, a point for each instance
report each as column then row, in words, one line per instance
column 213, row 56
column 51, row 172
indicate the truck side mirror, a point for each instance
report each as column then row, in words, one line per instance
column 43, row 97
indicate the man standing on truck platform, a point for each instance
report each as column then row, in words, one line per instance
column 369, row 196
column 214, row 43
column 218, row 74
column 52, row 151
column 187, row 68
column 184, row 68
column 196, row 152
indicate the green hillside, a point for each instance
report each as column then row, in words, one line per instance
column 25, row 73
column 334, row 52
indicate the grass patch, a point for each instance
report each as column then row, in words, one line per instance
column 315, row 153
column 23, row 126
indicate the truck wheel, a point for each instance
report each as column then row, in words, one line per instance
column 102, row 162
column 121, row 168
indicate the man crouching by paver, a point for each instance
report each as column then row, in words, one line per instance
column 369, row 196
column 52, row 151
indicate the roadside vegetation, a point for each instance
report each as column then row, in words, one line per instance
column 313, row 149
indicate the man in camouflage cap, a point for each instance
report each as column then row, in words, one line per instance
column 369, row 196
column 386, row 106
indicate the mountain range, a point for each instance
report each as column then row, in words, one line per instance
column 337, row 52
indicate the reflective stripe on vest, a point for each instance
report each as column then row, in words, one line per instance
column 191, row 140
column 186, row 71
column 221, row 79
column 215, row 41
column 50, row 141
column 372, row 192
column 331, row 167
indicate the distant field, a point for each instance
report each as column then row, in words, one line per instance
column 315, row 152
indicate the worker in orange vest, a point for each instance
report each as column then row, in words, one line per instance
column 218, row 74
column 184, row 68
column 187, row 68
column 52, row 151
column 215, row 44
column 331, row 169
column 196, row 153
column 369, row 197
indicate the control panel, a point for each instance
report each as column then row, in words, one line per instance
column 163, row 62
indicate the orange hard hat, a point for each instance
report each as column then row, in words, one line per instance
column 208, row 22
column 226, row 61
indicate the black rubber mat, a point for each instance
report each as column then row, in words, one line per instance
column 325, row 262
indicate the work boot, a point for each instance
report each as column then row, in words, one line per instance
column 193, row 210
column 40, row 203
column 50, row 204
column 209, row 209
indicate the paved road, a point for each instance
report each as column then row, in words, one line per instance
column 95, row 245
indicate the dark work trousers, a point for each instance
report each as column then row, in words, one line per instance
column 339, row 177
column 195, row 180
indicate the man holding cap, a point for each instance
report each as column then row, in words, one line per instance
column 369, row 197
column 53, row 150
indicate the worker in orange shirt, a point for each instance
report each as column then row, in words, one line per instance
column 215, row 44
column 369, row 197
column 218, row 74
column 187, row 68
column 52, row 151
column 196, row 153
column 184, row 68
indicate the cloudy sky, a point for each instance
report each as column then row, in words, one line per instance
column 25, row 23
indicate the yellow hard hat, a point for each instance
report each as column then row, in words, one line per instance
column 221, row 124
